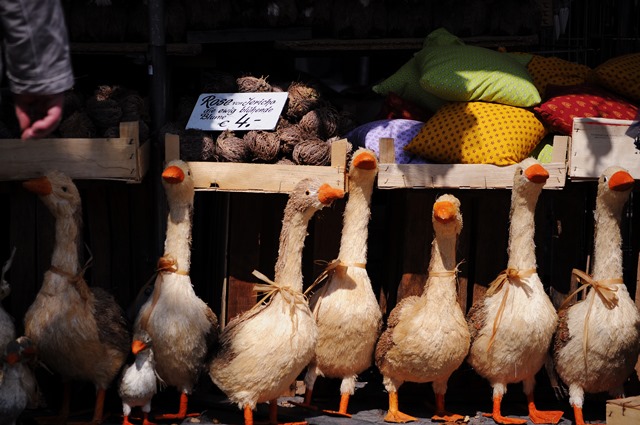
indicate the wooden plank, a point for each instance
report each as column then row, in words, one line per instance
column 80, row 158
column 598, row 143
column 467, row 176
column 172, row 49
column 624, row 411
column 266, row 178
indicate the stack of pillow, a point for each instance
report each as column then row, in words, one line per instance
column 485, row 106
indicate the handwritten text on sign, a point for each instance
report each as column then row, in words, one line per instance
column 237, row 111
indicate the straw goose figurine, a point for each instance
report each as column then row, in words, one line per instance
column 139, row 381
column 80, row 332
column 7, row 327
column 512, row 325
column 598, row 339
column 183, row 328
column 345, row 308
column 13, row 394
column 427, row 337
column 249, row 367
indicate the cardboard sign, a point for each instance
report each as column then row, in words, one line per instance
column 237, row 111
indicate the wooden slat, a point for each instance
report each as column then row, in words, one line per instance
column 467, row 176
column 624, row 411
column 81, row 158
column 598, row 143
column 268, row 178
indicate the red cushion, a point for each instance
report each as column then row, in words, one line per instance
column 396, row 107
column 568, row 102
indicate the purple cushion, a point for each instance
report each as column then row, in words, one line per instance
column 401, row 130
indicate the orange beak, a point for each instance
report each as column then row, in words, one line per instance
column 365, row 161
column 173, row 174
column 444, row 211
column 328, row 194
column 536, row 174
column 137, row 346
column 40, row 186
column 621, row 181
column 12, row 358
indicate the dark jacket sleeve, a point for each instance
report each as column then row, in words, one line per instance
column 36, row 46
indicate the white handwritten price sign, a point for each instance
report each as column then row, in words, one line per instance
column 237, row 111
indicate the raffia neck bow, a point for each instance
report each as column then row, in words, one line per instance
column 506, row 276
column 446, row 273
column 75, row 279
column 330, row 269
column 292, row 296
column 168, row 264
column 606, row 290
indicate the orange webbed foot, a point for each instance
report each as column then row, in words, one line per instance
column 337, row 413
column 545, row 416
column 447, row 417
column 398, row 417
column 504, row 420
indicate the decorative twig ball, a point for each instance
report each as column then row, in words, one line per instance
column 312, row 151
column 321, row 122
column 73, row 101
column 78, row 124
column 289, row 137
column 250, row 84
column 196, row 145
column 133, row 107
column 103, row 109
column 264, row 145
column 302, row 98
column 218, row 82
column 230, row 148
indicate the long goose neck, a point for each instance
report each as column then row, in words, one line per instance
column 443, row 259
column 67, row 240
column 355, row 230
column 178, row 240
column 607, row 251
column 522, row 250
column 288, row 270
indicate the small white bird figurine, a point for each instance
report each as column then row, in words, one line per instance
column 512, row 325
column 263, row 350
column 13, row 395
column 427, row 337
column 139, row 381
column 597, row 342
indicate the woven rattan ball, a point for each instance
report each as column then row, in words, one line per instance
column 196, row 145
column 103, row 109
column 312, row 151
column 250, row 84
column 289, row 137
column 321, row 122
column 230, row 148
column 132, row 106
column 78, row 124
column 265, row 146
column 302, row 98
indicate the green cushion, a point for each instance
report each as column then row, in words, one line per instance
column 405, row 82
column 457, row 72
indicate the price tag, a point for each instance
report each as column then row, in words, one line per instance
column 237, row 111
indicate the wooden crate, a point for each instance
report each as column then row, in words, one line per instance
column 462, row 176
column 624, row 411
column 267, row 178
column 597, row 143
column 115, row 158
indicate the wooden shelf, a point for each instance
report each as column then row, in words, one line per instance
column 174, row 49
column 266, row 178
column 121, row 158
column 462, row 176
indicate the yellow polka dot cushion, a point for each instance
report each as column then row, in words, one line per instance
column 478, row 133
column 459, row 72
column 546, row 71
column 621, row 75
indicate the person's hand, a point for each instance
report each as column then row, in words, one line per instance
column 38, row 115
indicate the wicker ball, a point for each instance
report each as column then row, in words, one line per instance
column 285, row 161
column 133, row 107
column 302, row 99
column 73, row 101
column 264, row 145
column 289, row 137
column 249, row 84
column 321, row 122
column 312, row 151
column 78, row 124
column 346, row 123
column 103, row 109
column 230, row 148
column 196, row 145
